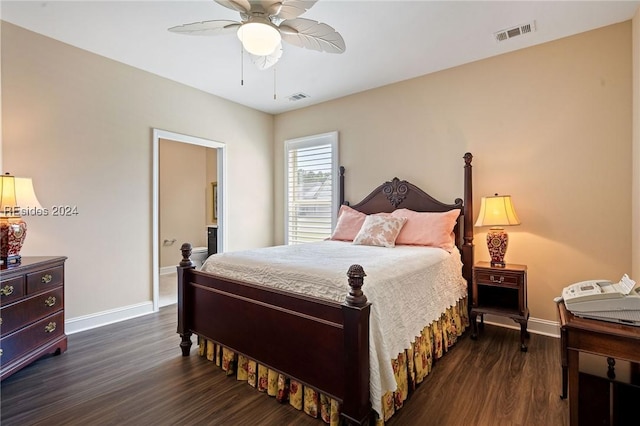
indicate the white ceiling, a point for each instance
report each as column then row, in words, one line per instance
column 387, row 41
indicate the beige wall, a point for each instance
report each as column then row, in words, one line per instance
column 1, row 133
column 635, row 258
column 550, row 125
column 185, row 194
column 81, row 126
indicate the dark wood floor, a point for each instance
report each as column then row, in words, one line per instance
column 131, row 373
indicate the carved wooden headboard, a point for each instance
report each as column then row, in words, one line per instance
column 400, row 194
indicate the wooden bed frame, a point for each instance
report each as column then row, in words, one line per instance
column 253, row 320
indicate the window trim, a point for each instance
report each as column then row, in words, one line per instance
column 329, row 138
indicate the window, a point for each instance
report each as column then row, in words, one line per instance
column 311, row 187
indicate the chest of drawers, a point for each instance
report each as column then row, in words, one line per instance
column 31, row 312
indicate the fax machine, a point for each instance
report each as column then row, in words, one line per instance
column 604, row 300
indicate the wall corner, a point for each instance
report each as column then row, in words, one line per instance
column 635, row 147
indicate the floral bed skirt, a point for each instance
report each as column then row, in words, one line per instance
column 410, row 368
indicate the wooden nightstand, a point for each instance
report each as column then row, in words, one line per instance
column 500, row 291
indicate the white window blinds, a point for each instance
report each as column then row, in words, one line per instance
column 311, row 188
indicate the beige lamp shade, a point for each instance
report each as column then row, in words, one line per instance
column 16, row 194
column 497, row 211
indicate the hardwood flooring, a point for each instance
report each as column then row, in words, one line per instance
column 132, row 373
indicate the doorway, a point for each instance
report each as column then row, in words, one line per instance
column 163, row 135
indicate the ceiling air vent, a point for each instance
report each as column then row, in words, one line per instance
column 298, row 96
column 503, row 35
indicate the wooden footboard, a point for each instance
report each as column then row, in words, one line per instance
column 259, row 322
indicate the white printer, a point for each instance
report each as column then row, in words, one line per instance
column 604, row 300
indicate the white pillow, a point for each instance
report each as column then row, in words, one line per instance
column 379, row 231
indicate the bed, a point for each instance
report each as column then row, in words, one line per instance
column 251, row 318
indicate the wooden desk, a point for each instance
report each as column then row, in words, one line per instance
column 602, row 338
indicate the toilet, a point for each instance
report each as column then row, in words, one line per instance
column 198, row 256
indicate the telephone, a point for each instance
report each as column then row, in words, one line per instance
column 604, row 300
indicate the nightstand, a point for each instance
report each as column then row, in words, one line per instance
column 500, row 291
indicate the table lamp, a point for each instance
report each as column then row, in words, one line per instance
column 496, row 212
column 16, row 197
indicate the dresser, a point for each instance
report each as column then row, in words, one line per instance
column 31, row 312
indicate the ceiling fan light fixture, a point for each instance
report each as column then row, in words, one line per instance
column 259, row 38
column 265, row 24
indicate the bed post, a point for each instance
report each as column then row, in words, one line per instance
column 467, row 245
column 356, row 408
column 183, row 270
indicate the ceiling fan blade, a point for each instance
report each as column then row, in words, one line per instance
column 264, row 62
column 242, row 6
column 289, row 9
column 207, row 28
column 312, row 35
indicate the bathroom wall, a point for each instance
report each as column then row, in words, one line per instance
column 185, row 197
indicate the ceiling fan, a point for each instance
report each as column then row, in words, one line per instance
column 265, row 23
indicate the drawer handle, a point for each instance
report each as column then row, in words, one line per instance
column 499, row 280
column 51, row 300
column 6, row 290
column 50, row 328
column 46, row 279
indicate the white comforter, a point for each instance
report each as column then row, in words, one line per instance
column 409, row 287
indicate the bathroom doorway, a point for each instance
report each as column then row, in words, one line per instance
column 195, row 183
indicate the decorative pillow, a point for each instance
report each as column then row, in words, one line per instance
column 428, row 229
column 379, row 230
column 349, row 223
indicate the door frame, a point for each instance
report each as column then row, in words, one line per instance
column 221, row 172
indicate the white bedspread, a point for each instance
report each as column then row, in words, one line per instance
column 409, row 287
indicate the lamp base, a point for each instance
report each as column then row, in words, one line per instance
column 497, row 241
column 13, row 231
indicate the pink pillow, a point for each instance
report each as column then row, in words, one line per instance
column 428, row 229
column 349, row 223
column 379, row 230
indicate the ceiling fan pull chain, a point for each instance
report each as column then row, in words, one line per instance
column 274, row 83
column 241, row 64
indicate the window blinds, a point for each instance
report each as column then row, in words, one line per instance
column 311, row 196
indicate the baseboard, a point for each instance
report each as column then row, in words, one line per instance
column 87, row 322
column 166, row 270
column 535, row 325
